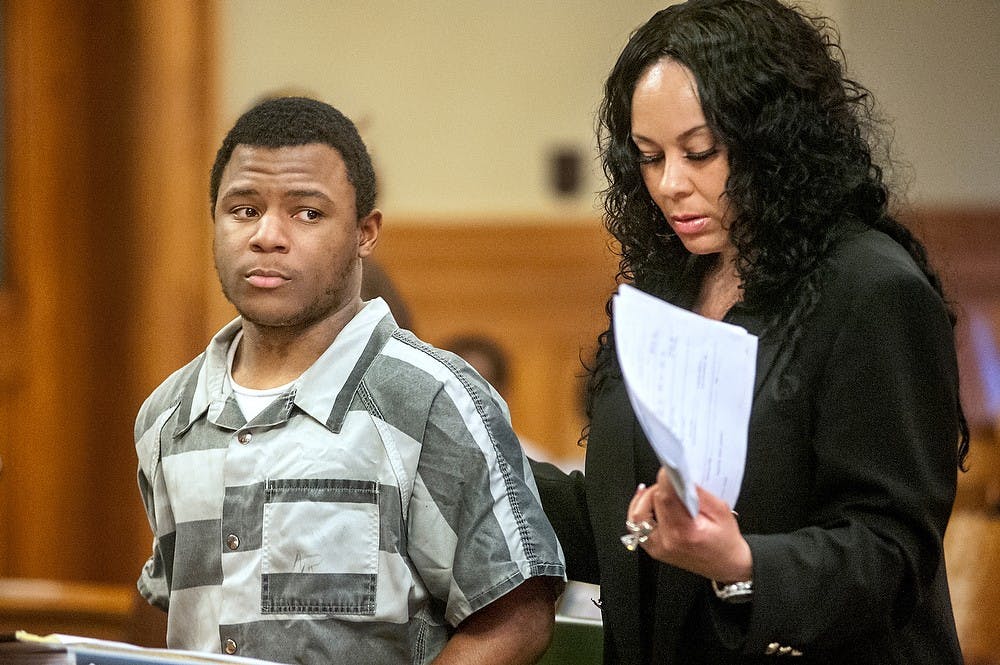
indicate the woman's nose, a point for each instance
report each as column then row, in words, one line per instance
column 674, row 180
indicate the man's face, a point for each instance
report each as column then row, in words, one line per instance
column 288, row 242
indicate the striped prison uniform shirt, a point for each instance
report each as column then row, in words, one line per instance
column 358, row 518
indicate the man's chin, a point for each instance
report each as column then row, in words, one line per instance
column 269, row 319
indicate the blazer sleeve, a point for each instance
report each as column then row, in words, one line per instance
column 564, row 498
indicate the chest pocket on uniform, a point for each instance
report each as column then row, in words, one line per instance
column 320, row 546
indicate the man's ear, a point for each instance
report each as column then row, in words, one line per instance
column 368, row 230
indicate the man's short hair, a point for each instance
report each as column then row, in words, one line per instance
column 291, row 121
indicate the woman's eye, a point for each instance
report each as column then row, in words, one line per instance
column 649, row 159
column 704, row 154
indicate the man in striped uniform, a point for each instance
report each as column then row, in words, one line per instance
column 322, row 486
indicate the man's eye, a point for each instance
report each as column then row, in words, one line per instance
column 245, row 212
column 308, row 215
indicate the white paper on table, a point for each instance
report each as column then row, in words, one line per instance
column 690, row 381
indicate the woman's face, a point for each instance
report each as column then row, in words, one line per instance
column 683, row 166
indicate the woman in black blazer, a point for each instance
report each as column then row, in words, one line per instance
column 742, row 186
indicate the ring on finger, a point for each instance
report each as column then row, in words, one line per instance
column 638, row 533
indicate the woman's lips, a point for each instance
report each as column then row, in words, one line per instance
column 688, row 224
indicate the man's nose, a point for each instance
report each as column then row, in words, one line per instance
column 270, row 233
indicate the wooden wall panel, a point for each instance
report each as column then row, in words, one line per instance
column 105, row 110
column 535, row 285
column 972, row 548
column 964, row 246
column 11, row 378
column 102, row 611
column 56, row 116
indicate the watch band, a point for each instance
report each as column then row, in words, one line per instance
column 737, row 592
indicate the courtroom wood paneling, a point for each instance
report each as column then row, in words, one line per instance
column 60, row 124
column 103, row 611
column 538, row 286
column 979, row 485
column 106, row 107
column 540, row 289
column 972, row 554
column 964, row 246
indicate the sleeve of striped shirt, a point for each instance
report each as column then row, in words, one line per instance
column 476, row 526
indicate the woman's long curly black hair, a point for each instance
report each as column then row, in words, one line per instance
column 800, row 136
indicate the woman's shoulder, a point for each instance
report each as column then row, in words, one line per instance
column 866, row 267
column 863, row 257
column 861, row 248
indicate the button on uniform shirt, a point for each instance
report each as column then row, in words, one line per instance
column 359, row 517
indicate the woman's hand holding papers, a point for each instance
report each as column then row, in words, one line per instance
column 710, row 544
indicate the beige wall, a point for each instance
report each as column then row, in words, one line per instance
column 461, row 101
column 933, row 65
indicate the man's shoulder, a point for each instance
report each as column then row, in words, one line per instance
column 405, row 358
column 172, row 391
column 409, row 373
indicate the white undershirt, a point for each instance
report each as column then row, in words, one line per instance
column 251, row 400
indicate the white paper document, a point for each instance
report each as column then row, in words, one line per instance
column 23, row 648
column 690, row 381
